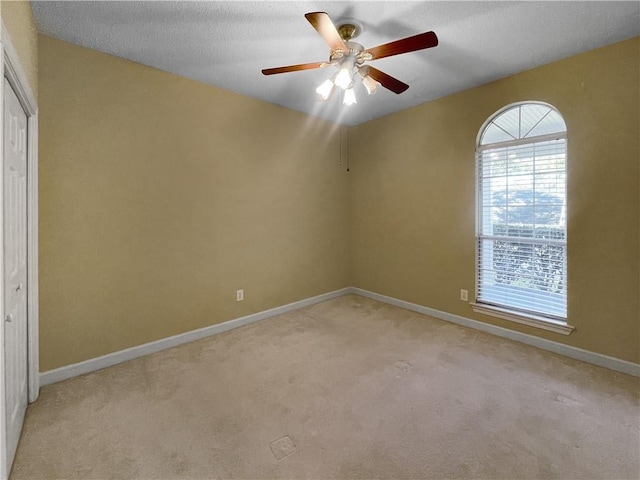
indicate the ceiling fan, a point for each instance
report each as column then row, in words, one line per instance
column 350, row 57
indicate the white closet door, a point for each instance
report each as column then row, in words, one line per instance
column 15, row 267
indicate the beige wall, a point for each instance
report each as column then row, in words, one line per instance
column 18, row 18
column 412, row 191
column 160, row 196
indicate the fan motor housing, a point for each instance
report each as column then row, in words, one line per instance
column 354, row 49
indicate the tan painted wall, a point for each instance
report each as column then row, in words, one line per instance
column 18, row 18
column 412, row 191
column 138, row 164
column 160, row 196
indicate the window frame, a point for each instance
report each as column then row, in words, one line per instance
column 507, row 312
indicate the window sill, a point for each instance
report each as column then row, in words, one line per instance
column 517, row 317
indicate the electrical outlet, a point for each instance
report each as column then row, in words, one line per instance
column 239, row 295
column 464, row 295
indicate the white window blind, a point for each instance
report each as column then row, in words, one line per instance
column 521, row 235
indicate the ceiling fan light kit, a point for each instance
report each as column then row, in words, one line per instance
column 325, row 90
column 349, row 57
column 349, row 97
column 344, row 79
column 369, row 83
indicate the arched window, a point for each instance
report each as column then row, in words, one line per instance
column 521, row 213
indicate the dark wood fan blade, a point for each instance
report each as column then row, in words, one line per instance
column 293, row 68
column 327, row 30
column 387, row 81
column 405, row 45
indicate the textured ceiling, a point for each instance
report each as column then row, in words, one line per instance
column 228, row 43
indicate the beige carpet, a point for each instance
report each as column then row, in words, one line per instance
column 349, row 388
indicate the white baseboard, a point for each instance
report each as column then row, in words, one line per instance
column 555, row 347
column 98, row 363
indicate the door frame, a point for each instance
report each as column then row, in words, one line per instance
column 13, row 71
